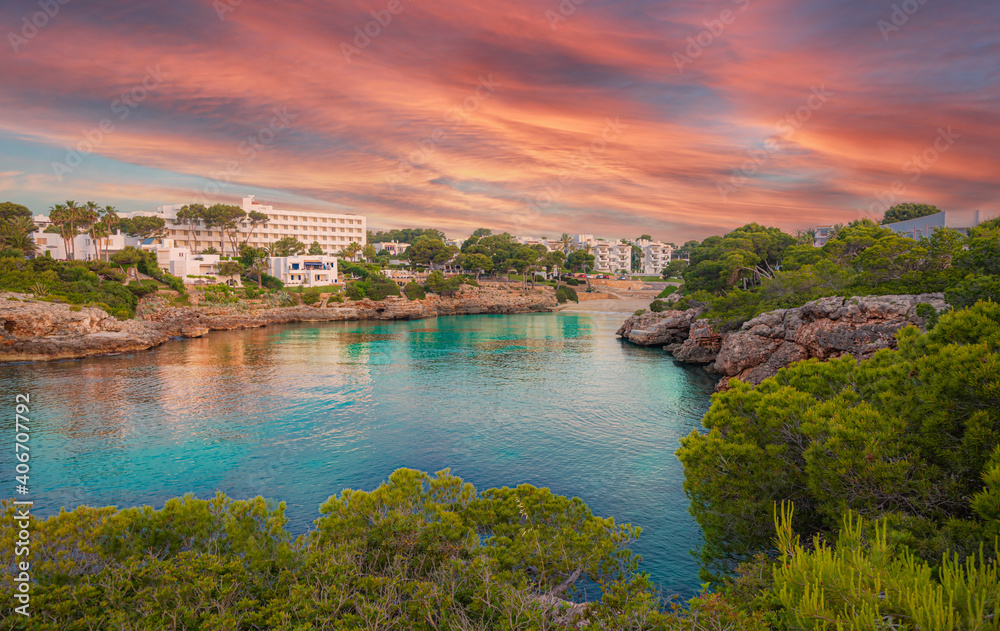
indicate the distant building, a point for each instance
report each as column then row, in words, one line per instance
column 612, row 258
column 655, row 256
column 923, row 227
column 823, row 234
column 305, row 270
column 85, row 248
column 394, row 248
column 182, row 263
column 333, row 231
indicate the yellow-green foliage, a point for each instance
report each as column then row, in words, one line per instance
column 864, row 582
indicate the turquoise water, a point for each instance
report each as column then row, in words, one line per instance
column 299, row 412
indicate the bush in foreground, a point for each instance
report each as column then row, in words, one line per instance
column 418, row 552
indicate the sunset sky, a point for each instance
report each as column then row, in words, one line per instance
column 677, row 119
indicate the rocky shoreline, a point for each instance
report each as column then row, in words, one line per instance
column 822, row 329
column 32, row 330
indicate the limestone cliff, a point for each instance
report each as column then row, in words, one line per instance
column 823, row 329
column 37, row 330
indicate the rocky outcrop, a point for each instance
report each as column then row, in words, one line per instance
column 702, row 345
column 823, row 329
column 659, row 329
column 34, row 330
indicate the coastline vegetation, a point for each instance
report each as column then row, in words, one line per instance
column 755, row 269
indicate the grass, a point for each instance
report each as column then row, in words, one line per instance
column 649, row 279
column 323, row 289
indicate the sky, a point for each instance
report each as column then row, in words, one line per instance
column 674, row 119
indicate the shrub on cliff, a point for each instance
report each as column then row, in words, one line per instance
column 375, row 287
column 911, row 436
column 658, row 306
column 414, row 291
column 570, row 294
column 442, row 285
column 561, row 296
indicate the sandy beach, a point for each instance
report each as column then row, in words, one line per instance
column 621, row 305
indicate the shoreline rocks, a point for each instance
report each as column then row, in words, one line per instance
column 824, row 329
column 32, row 330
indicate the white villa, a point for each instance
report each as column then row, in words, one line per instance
column 305, row 270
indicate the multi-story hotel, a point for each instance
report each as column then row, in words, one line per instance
column 332, row 231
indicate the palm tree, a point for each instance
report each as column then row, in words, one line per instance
column 351, row 250
column 109, row 220
column 566, row 242
column 15, row 233
column 90, row 215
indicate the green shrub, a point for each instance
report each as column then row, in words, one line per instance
column 909, row 436
column 639, row 312
column 570, row 294
column 572, row 282
column 561, row 296
column 414, row 291
column 442, row 285
column 140, row 290
column 311, row 296
column 355, row 290
column 658, row 306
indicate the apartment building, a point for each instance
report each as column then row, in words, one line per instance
column 332, row 231
column 655, row 256
column 612, row 258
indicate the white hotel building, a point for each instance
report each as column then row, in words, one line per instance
column 332, row 231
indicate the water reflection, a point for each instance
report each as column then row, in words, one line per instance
column 301, row 411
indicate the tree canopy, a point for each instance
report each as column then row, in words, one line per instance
column 907, row 211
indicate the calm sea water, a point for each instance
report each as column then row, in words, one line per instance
column 299, row 412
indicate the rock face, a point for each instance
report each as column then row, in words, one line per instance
column 33, row 330
column 702, row 345
column 658, row 329
column 823, row 329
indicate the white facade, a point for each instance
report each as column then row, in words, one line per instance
column 305, row 270
column 394, row 248
column 332, row 231
column 611, row 258
column 85, row 248
column 655, row 256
